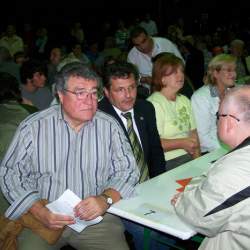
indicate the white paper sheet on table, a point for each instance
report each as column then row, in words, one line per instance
column 65, row 205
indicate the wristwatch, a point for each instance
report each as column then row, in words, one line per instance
column 108, row 199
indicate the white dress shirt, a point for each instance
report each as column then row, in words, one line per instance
column 143, row 61
column 124, row 120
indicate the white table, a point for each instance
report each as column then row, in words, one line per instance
column 155, row 195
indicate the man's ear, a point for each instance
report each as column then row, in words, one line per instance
column 106, row 92
column 60, row 95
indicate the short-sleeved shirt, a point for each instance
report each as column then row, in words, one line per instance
column 174, row 119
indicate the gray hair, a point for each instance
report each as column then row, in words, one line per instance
column 75, row 69
column 239, row 97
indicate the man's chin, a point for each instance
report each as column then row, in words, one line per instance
column 87, row 113
column 127, row 107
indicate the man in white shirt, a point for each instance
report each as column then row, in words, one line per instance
column 145, row 48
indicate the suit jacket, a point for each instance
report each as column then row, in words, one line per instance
column 145, row 120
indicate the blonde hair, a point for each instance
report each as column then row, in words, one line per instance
column 217, row 63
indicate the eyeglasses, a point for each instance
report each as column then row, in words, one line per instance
column 224, row 115
column 228, row 70
column 83, row 93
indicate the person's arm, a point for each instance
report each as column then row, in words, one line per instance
column 49, row 219
column 14, row 171
column 205, row 121
column 156, row 154
column 194, row 135
column 93, row 206
column 123, row 170
column 218, row 199
column 189, row 144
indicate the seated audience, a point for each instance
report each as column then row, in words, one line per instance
column 33, row 81
column 216, row 204
column 12, row 109
column 237, row 49
column 194, row 67
column 7, row 64
column 56, row 56
column 11, row 40
column 20, row 57
column 174, row 117
column 205, row 101
column 110, row 51
column 12, row 112
column 76, row 53
column 149, row 25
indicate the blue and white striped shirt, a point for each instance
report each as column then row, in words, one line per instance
column 47, row 156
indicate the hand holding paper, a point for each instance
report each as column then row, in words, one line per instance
column 65, row 205
column 90, row 208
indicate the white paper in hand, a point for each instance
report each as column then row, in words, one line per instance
column 65, row 205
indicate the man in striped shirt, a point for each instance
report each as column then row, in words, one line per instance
column 70, row 146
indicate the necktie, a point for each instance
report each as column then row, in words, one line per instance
column 137, row 149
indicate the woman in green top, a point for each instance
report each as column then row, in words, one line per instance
column 174, row 116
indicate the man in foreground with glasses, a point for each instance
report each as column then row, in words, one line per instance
column 70, row 146
column 217, row 203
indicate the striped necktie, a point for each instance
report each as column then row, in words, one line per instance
column 137, row 149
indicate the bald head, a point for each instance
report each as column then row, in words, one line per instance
column 238, row 100
column 234, row 116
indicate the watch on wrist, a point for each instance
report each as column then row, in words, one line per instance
column 108, row 199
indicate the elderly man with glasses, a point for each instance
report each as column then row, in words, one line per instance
column 217, row 203
column 70, row 146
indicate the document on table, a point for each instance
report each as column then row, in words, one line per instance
column 65, row 205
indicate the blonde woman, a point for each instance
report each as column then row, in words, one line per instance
column 174, row 117
column 205, row 101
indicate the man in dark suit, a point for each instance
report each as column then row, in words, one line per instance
column 120, row 88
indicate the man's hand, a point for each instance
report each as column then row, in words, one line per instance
column 91, row 207
column 175, row 198
column 190, row 145
column 49, row 219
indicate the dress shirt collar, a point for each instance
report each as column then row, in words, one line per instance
column 119, row 112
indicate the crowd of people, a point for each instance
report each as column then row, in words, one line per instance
column 99, row 117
